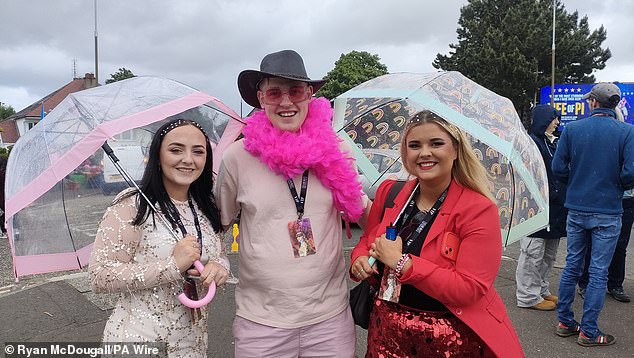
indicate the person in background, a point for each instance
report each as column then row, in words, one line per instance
column 446, row 256
column 616, row 271
column 623, row 108
column 290, row 174
column 539, row 251
column 595, row 156
column 135, row 255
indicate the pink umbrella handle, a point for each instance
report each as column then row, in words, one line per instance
column 210, row 293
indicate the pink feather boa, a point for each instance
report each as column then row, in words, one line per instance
column 316, row 147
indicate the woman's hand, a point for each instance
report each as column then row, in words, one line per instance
column 361, row 269
column 186, row 251
column 387, row 251
column 213, row 272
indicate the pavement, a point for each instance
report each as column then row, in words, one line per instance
column 60, row 307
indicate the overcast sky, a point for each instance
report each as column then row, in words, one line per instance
column 206, row 43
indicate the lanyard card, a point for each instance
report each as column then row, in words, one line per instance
column 390, row 289
column 302, row 240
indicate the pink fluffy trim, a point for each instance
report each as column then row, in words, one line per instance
column 315, row 146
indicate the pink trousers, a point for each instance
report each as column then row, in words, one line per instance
column 334, row 337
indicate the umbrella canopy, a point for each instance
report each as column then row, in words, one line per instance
column 58, row 181
column 373, row 115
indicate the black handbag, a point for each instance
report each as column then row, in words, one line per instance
column 361, row 299
column 362, row 295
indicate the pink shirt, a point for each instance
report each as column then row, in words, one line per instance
column 276, row 288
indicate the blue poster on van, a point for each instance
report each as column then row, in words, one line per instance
column 570, row 103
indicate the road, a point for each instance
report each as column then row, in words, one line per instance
column 29, row 303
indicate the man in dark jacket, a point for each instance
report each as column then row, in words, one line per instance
column 596, row 157
column 539, row 250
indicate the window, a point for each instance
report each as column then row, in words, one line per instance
column 127, row 135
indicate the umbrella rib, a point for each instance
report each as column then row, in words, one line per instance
column 383, row 172
column 84, row 112
column 512, row 196
column 114, row 98
column 71, row 124
column 226, row 114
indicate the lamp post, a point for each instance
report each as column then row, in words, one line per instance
column 536, row 84
column 96, row 55
column 552, row 82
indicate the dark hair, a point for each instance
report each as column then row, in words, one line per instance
column 612, row 102
column 152, row 182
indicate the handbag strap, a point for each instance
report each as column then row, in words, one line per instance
column 391, row 195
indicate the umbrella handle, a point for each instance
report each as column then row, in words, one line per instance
column 210, row 293
column 390, row 234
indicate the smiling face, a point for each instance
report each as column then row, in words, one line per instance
column 182, row 159
column 429, row 154
column 288, row 112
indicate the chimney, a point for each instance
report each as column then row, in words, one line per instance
column 89, row 81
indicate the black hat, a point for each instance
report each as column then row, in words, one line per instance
column 285, row 64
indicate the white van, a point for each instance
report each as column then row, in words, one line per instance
column 133, row 160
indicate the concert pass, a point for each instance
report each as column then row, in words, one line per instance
column 302, row 240
column 390, row 289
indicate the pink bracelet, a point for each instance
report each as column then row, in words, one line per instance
column 401, row 264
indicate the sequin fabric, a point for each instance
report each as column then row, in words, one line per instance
column 397, row 331
column 136, row 263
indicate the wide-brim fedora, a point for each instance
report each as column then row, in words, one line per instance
column 285, row 64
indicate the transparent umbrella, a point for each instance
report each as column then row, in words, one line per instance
column 373, row 115
column 58, row 181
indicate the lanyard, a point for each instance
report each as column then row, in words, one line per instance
column 174, row 214
column 428, row 217
column 300, row 200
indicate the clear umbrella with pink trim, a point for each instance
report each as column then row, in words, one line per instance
column 58, row 184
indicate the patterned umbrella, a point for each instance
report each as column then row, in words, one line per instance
column 373, row 115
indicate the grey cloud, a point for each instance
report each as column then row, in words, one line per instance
column 205, row 44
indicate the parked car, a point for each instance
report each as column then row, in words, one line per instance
column 387, row 162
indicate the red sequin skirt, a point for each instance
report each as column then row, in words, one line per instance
column 400, row 331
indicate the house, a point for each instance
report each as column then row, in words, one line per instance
column 13, row 127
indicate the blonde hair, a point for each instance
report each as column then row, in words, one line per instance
column 467, row 169
column 619, row 114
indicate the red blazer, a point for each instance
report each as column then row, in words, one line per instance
column 464, row 286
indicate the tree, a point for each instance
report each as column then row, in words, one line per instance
column 6, row 111
column 122, row 74
column 505, row 45
column 4, row 152
column 351, row 70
